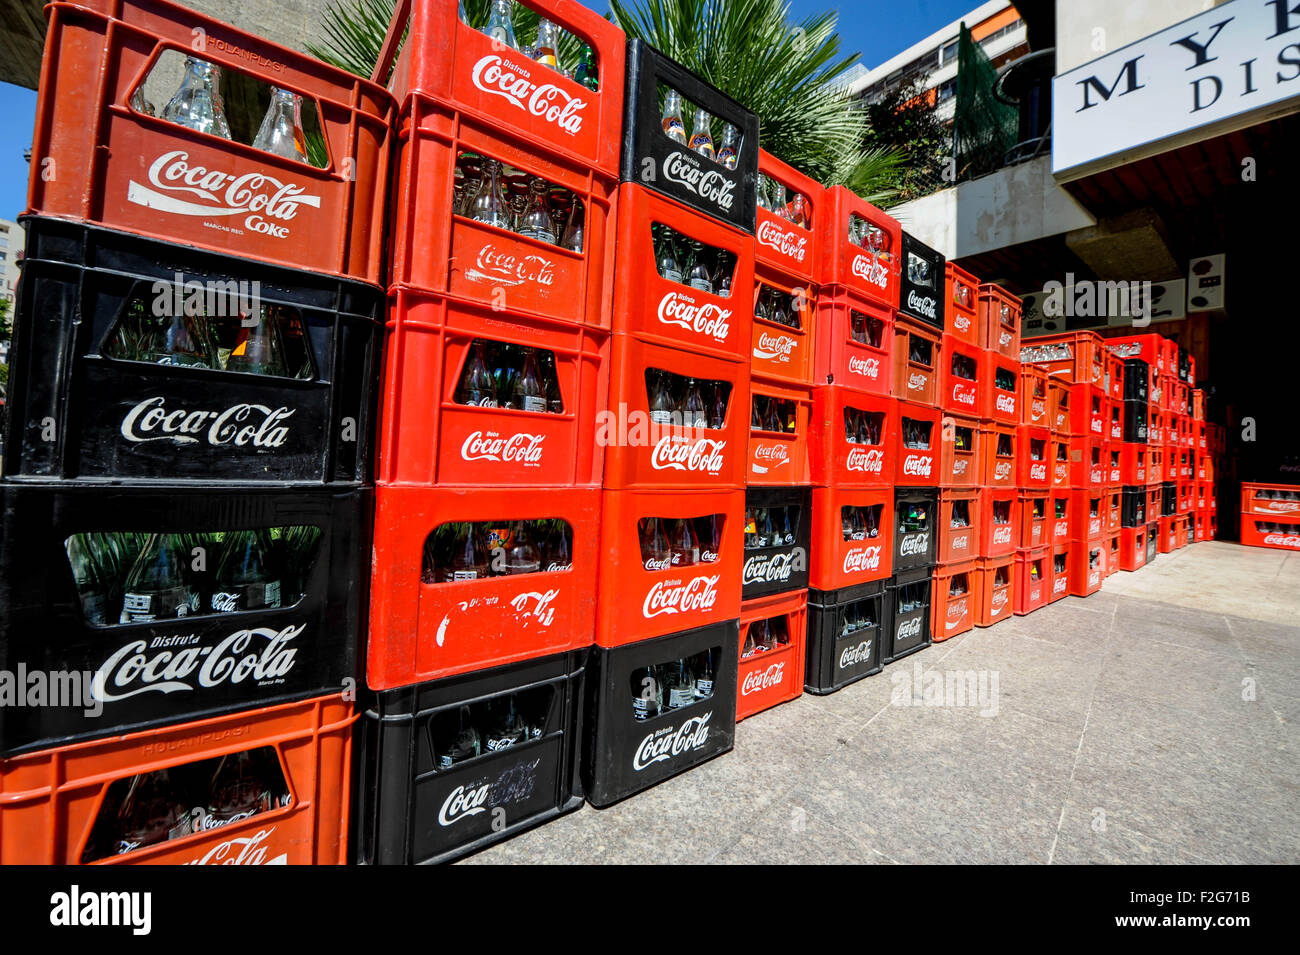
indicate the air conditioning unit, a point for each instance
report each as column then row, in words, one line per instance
column 1168, row 304
column 1205, row 284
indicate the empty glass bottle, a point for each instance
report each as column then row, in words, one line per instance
column 672, row 123
column 155, row 588
column 245, row 578
column 729, row 149
column 490, row 205
column 197, row 103
column 548, row 44
column 281, row 131
column 259, row 350
column 501, row 25
column 536, row 222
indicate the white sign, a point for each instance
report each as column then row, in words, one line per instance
column 1208, row 73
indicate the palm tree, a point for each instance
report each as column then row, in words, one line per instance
column 786, row 72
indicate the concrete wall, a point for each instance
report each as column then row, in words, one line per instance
column 1085, row 31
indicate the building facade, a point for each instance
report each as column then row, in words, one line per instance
column 11, row 249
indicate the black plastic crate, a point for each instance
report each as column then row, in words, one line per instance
column 1136, row 413
column 625, row 755
column 1137, row 378
column 1133, row 507
column 1153, row 541
column 654, row 160
column 917, row 547
column 922, row 295
column 907, row 630
column 423, row 796
column 779, row 567
column 1185, row 365
column 194, row 664
column 844, row 636
column 1168, row 498
column 86, row 401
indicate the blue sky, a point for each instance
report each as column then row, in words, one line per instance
column 877, row 30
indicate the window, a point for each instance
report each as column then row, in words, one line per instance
column 948, row 53
column 947, row 91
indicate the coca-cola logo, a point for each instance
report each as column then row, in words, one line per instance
column 790, row 244
column 266, row 200
column 1037, row 409
column 679, row 454
column 961, row 322
column 184, row 664
column 770, row 568
column 855, row 655
column 1058, row 585
column 1283, row 506
column 511, row 81
column 1001, row 470
column 867, row 367
column 959, row 466
column 756, row 680
column 1004, row 339
column 1002, row 535
column 918, row 381
column 246, row 850
column 1094, row 526
column 870, row 269
column 867, row 460
column 999, row 599
column 538, row 606
column 912, row 545
column 960, row 542
column 675, row 596
column 463, row 802
column 242, row 425
column 908, row 629
column 1062, row 472
column 772, row 347
column 860, row 560
column 773, row 455
column 1038, row 472
column 493, row 266
column 1282, row 540
column 521, row 448
column 709, row 184
column 1007, row 403
column 963, row 394
column 666, row 743
column 1062, row 529
column 918, row 465
column 1094, row 578
column 707, row 318
column 924, row 305
column 956, row 614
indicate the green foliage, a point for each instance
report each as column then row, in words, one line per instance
column 904, row 122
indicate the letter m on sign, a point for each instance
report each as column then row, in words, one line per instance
column 1128, row 75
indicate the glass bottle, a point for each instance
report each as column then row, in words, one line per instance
column 184, row 341
column 151, row 812
column 647, row 693
column 92, row 589
column 704, row 675
column 685, row 547
column 281, row 131
column 656, row 552
column 667, row 257
column 559, row 554
column 490, row 204
column 548, row 44
column 469, row 555
column 510, row 727
column 574, row 232
column 536, row 222
column 551, row 383
column 522, row 556
column 501, row 26
column 529, row 393
column 672, row 123
column 718, row 411
column 237, row 791
column 476, row 385
column 729, row 149
column 698, row 276
column 258, row 351
column 245, row 577
column 155, row 588
column 586, row 74
column 696, row 414
column 197, row 104
column 467, row 743
column 661, row 401
column 681, row 685
column 701, row 135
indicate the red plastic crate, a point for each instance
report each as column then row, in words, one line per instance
column 1202, row 526
column 913, row 378
column 1155, row 499
column 424, row 630
column 1035, row 406
column 779, row 352
column 837, row 461
column 1110, row 551
column 778, row 242
column 960, row 393
column 997, row 403
column 50, row 800
column 854, row 343
column 1198, row 410
column 769, row 678
column 961, row 319
column 874, row 273
column 1033, row 458
column 998, row 529
column 1132, row 463
column 1087, row 466
column 1088, row 411
column 1060, row 458
column 1167, row 399
column 1186, row 497
column 961, row 540
column 918, row 466
column 1032, row 580
column 1167, row 542
column 1155, row 464
column 1113, row 505
column 780, row 458
column 477, row 262
column 1059, row 569
column 1059, row 401
column 1132, row 548
column 1180, row 531
column 837, row 562
column 1150, row 347
column 1111, row 456
column 1087, row 514
column 1033, row 519
column 1198, row 434
column 952, row 607
column 101, row 160
column 673, row 456
column 1113, row 375
column 655, row 309
column 1087, row 568
column 998, row 447
column 426, row 437
column 1058, row 516
column 1115, row 417
column 1203, row 493
column 995, row 584
column 635, row 603
column 1077, row 356
column 960, row 459
column 999, row 320
column 1277, row 500
column 455, row 64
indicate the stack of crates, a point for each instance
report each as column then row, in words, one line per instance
column 187, row 494
column 488, row 544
